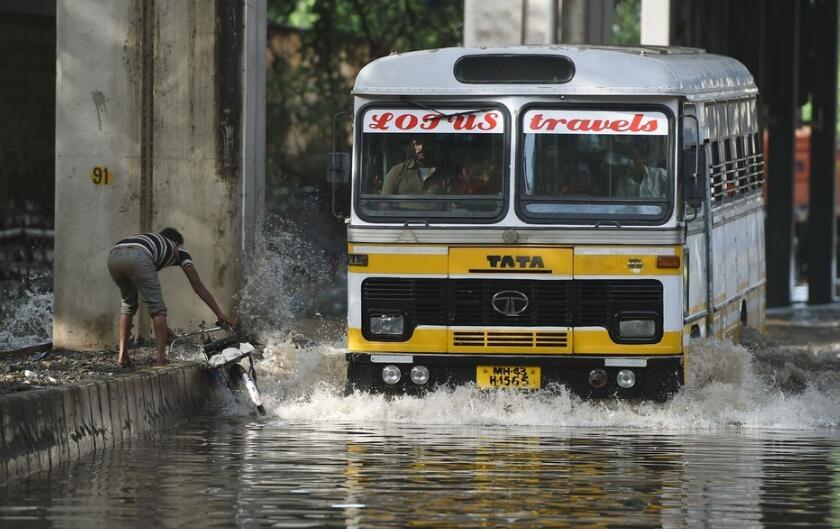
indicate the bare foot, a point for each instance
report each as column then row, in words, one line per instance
column 124, row 361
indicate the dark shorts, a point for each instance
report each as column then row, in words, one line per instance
column 133, row 271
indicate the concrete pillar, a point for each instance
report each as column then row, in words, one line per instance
column 494, row 22
column 573, row 22
column 779, row 91
column 821, row 212
column 253, row 131
column 506, row 22
column 154, row 91
column 551, row 20
column 656, row 17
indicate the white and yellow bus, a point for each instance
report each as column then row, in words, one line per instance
column 539, row 216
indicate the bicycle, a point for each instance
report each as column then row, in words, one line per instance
column 225, row 358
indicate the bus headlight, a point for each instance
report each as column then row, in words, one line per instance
column 626, row 379
column 636, row 328
column 388, row 324
column 419, row 375
column 391, row 374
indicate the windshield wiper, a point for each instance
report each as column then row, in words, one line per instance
column 444, row 114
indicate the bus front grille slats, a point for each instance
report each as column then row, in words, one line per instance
column 557, row 340
column 468, row 302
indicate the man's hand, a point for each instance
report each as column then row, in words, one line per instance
column 227, row 319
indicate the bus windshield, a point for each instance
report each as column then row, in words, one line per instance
column 587, row 165
column 423, row 164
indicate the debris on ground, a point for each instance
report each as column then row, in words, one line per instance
column 21, row 371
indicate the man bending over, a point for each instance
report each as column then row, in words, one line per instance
column 134, row 264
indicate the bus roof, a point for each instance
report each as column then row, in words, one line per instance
column 598, row 70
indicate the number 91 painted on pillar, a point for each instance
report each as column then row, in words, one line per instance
column 101, row 176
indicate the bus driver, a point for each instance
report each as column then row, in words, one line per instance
column 417, row 175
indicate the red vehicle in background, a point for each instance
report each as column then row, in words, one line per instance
column 801, row 194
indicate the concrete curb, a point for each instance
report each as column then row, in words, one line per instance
column 41, row 428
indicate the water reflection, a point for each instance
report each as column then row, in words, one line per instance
column 237, row 472
column 741, row 446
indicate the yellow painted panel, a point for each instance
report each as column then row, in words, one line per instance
column 403, row 261
column 421, row 341
column 629, row 264
column 596, row 341
column 516, row 260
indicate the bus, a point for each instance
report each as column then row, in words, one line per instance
column 541, row 217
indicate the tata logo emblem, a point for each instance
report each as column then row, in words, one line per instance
column 635, row 265
column 518, row 261
column 509, row 302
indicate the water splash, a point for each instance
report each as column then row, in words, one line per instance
column 26, row 319
column 294, row 277
column 759, row 385
column 728, row 386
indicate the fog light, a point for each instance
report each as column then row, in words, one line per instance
column 391, row 324
column 597, row 378
column 636, row 328
column 419, row 375
column 391, row 374
column 626, row 379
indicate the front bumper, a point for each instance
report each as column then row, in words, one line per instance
column 658, row 379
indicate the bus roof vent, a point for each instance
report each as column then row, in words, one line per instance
column 514, row 68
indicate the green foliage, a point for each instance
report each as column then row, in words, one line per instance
column 328, row 42
column 628, row 22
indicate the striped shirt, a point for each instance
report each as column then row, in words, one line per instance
column 160, row 249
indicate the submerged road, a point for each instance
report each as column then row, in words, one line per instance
column 753, row 441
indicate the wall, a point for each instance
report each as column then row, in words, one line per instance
column 196, row 179
column 97, row 124
column 153, row 90
column 39, row 429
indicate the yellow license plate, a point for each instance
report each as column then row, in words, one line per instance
column 525, row 377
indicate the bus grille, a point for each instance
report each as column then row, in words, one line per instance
column 509, row 339
column 468, row 302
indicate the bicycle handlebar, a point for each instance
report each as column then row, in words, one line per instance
column 202, row 331
column 213, row 345
column 220, row 326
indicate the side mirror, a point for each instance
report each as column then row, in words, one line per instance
column 338, row 168
column 338, row 176
column 695, row 183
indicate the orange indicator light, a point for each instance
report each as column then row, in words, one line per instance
column 668, row 261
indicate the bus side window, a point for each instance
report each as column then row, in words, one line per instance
column 729, row 167
column 749, row 150
column 716, row 174
column 759, row 160
column 743, row 184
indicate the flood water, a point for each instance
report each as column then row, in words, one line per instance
column 753, row 441
column 239, row 472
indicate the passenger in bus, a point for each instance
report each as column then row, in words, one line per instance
column 418, row 175
column 641, row 179
column 475, row 179
column 652, row 180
